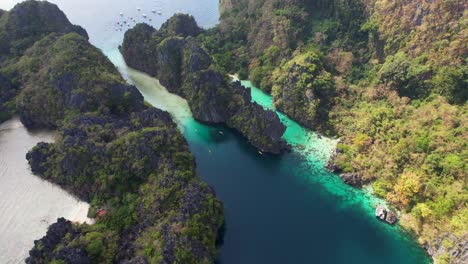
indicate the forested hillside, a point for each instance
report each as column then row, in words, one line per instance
column 125, row 158
column 387, row 77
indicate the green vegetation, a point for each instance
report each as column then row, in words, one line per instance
column 394, row 79
column 304, row 89
column 128, row 160
column 172, row 55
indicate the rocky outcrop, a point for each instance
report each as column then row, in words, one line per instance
column 183, row 67
column 263, row 129
column 304, row 90
column 111, row 150
column 385, row 215
column 180, row 25
column 352, row 179
column 45, row 248
column 450, row 248
column 142, row 156
column 60, row 87
column 29, row 22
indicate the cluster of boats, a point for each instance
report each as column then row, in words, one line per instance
column 129, row 20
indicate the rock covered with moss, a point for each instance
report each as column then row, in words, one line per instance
column 181, row 25
column 139, row 171
column 184, row 68
column 63, row 75
column 7, row 93
column 29, row 22
column 20, row 28
column 130, row 162
column 304, row 90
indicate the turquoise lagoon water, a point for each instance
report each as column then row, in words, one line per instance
column 279, row 209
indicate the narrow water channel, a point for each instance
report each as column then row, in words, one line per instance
column 279, row 209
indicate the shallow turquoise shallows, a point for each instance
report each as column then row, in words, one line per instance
column 279, row 209
column 284, row 209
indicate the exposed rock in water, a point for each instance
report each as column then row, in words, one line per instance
column 185, row 68
column 20, row 28
column 352, row 179
column 385, row 215
column 331, row 164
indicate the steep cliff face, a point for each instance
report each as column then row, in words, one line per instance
column 65, row 75
column 304, row 90
column 130, row 162
column 398, row 99
column 27, row 23
column 186, row 69
column 139, row 174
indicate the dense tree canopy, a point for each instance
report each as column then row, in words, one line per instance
column 394, row 78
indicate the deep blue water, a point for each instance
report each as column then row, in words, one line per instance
column 279, row 209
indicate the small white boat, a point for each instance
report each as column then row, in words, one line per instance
column 121, row 14
column 159, row 13
column 153, row 11
column 144, row 15
column 139, row 9
column 259, row 152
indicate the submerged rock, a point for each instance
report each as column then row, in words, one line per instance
column 381, row 212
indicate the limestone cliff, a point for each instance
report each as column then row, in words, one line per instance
column 183, row 67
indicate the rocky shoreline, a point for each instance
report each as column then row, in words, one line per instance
column 459, row 247
column 172, row 55
column 112, row 150
column 355, row 180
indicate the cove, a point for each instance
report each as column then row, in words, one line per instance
column 281, row 209
column 28, row 204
